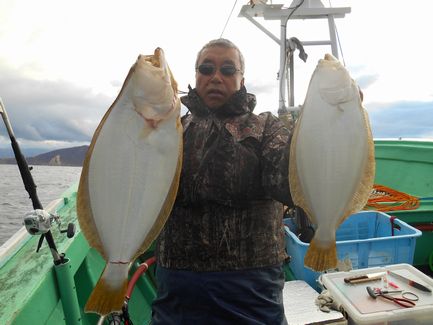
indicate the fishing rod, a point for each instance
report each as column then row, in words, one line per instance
column 39, row 222
column 30, row 187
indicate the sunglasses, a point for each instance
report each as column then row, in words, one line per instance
column 208, row 69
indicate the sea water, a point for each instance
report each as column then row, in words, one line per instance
column 51, row 182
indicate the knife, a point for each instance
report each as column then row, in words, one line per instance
column 364, row 278
column 410, row 282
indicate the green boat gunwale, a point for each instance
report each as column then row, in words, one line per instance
column 27, row 277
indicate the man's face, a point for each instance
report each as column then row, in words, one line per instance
column 214, row 86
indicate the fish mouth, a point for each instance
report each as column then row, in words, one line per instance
column 156, row 59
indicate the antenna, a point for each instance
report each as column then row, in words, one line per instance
column 299, row 9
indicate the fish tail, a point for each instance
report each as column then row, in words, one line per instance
column 321, row 258
column 109, row 293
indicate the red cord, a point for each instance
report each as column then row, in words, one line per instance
column 140, row 270
column 386, row 199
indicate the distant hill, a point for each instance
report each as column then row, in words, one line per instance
column 28, row 152
column 62, row 157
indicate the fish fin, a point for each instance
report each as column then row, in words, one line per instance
column 106, row 297
column 321, row 258
column 84, row 210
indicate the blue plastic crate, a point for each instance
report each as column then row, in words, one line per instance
column 365, row 238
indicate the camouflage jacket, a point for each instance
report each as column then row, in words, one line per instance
column 228, row 211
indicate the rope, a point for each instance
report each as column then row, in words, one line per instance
column 228, row 18
column 386, row 199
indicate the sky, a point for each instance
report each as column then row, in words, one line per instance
column 62, row 63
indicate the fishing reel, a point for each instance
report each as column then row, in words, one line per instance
column 39, row 222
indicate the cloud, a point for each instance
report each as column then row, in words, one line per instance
column 406, row 119
column 47, row 110
column 58, row 113
column 116, row 83
column 364, row 81
column 256, row 87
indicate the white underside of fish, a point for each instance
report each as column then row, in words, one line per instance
column 129, row 178
column 130, row 175
column 332, row 158
column 330, row 154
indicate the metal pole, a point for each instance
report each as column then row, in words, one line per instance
column 332, row 36
column 291, row 81
column 263, row 29
column 282, row 109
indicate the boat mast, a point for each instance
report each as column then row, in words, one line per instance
column 299, row 9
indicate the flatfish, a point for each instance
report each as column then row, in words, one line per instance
column 130, row 175
column 332, row 165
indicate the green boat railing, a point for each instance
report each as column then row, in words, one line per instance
column 29, row 281
column 407, row 166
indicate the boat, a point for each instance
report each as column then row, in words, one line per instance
column 46, row 277
column 407, row 166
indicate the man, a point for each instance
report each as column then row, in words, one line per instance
column 220, row 254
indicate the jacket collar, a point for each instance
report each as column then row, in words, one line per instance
column 240, row 103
